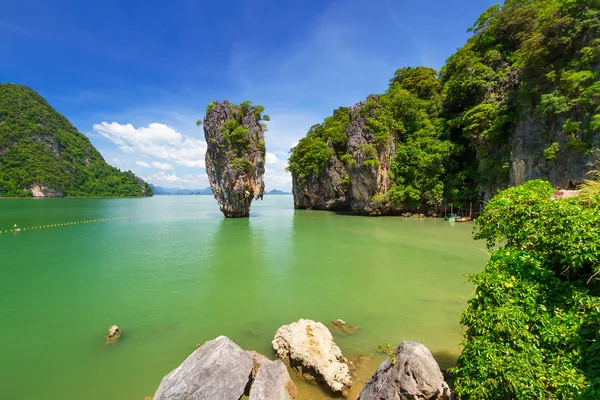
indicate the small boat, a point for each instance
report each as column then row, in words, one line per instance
column 463, row 219
column 451, row 217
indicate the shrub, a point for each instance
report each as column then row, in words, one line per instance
column 532, row 328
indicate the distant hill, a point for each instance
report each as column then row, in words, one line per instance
column 43, row 155
column 276, row 192
column 159, row 190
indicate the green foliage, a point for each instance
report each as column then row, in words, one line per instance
column 571, row 127
column 533, row 326
column 334, row 129
column 595, row 123
column 369, row 155
column 421, row 81
column 577, row 145
column 380, row 198
column 236, row 137
column 553, row 103
column 419, row 168
column 551, row 152
column 210, row 107
column 241, row 163
column 480, row 120
column 309, row 158
column 39, row 145
column 389, row 351
column 348, row 160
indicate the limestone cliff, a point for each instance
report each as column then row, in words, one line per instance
column 519, row 101
column 353, row 179
column 235, row 158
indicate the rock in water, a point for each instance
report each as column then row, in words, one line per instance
column 308, row 347
column 340, row 326
column 219, row 369
column 114, row 333
column 272, row 382
column 235, row 158
column 416, row 376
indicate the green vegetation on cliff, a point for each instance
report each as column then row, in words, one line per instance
column 530, row 68
column 533, row 326
column 39, row 146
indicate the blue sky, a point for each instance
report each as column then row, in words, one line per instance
column 134, row 76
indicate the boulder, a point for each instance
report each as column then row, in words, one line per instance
column 308, row 347
column 415, row 376
column 272, row 382
column 219, row 369
column 113, row 334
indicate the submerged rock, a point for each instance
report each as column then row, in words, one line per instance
column 415, row 376
column 340, row 326
column 235, row 157
column 308, row 347
column 219, row 369
column 113, row 335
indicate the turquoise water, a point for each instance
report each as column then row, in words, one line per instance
column 172, row 272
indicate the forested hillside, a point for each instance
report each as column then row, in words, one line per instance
column 520, row 100
column 42, row 154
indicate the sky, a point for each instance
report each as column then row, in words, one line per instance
column 135, row 76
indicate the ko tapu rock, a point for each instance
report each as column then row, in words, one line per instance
column 235, row 157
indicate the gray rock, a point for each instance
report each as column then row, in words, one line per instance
column 272, row 382
column 308, row 347
column 219, row 369
column 416, row 376
column 235, row 162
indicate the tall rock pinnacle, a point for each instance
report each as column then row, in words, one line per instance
column 235, row 158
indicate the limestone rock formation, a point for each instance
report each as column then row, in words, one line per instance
column 235, row 158
column 40, row 190
column 372, row 164
column 416, row 376
column 113, row 334
column 308, row 347
column 220, row 369
column 351, row 181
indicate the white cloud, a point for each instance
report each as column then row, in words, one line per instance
column 155, row 140
column 172, row 180
column 271, row 158
column 163, row 166
column 143, row 164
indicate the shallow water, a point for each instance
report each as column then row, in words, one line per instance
column 172, row 272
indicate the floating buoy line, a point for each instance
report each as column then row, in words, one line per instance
column 87, row 221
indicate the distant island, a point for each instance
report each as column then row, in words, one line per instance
column 164, row 191
column 43, row 155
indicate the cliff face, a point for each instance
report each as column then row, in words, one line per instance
column 325, row 192
column 372, row 162
column 352, row 180
column 235, row 158
column 519, row 101
column 43, row 155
